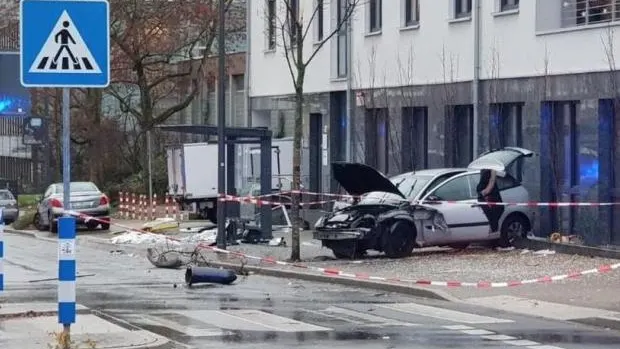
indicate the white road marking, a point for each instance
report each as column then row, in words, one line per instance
column 477, row 332
column 251, row 320
column 354, row 316
column 499, row 337
column 188, row 330
column 522, row 343
column 458, row 327
column 544, row 347
column 443, row 314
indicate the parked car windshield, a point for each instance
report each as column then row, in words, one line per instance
column 6, row 195
column 78, row 187
column 409, row 185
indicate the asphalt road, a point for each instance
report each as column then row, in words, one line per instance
column 262, row 312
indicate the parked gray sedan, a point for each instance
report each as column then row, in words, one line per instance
column 8, row 203
column 85, row 198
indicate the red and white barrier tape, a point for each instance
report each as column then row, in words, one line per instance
column 259, row 201
column 362, row 276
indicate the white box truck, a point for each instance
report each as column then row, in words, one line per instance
column 192, row 177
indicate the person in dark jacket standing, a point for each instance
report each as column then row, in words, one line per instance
column 488, row 191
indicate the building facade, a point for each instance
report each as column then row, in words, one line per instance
column 434, row 83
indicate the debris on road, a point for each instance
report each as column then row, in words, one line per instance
column 197, row 275
column 161, row 225
column 170, row 259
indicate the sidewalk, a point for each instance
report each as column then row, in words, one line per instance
column 471, row 265
column 35, row 325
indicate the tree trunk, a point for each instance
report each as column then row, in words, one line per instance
column 95, row 157
column 297, row 135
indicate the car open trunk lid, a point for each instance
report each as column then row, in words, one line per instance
column 359, row 179
column 499, row 160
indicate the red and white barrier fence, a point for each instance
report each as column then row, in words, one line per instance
column 140, row 207
column 601, row 269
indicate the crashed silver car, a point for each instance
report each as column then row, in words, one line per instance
column 412, row 210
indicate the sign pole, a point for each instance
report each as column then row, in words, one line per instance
column 66, row 232
column 1, row 252
column 65, row 44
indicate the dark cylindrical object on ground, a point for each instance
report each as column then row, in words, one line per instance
column 197, row 275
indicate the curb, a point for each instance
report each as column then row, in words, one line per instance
column 31, row 234
column 535, row 244
column 366, row 284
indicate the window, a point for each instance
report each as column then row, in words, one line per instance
column 507, row 5
column 414, row 138
column 319, row 20
column 459, row 135
column 341, row 40
column 462, row 8
column 271, row 24
column 506, row 130
column 584, row 12
column 412, row 12
column 293, row 17
column 457, row 189
column 377, row 138
column 374, row 21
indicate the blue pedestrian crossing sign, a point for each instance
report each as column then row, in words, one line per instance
column 65, row 43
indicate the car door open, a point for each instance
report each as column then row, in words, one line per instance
column 456, row 200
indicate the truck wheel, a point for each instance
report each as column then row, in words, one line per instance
column 399, row 239
column 212, row 215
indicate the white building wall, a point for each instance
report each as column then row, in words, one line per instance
column 520, row 40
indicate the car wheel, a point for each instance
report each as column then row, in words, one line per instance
column 53, row 227
column 92, row 225
column 514, row 227
column 105, row 226
column 399, row 239
column 36, row 221
column 347, row 250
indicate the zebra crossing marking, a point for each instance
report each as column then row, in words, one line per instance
column 65, row 51
column 442, row 314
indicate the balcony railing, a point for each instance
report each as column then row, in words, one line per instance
column 588, row 12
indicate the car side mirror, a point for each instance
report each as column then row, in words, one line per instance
column 432, row 199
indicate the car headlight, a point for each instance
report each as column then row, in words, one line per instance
column 319, row 222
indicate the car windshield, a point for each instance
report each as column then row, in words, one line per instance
column 6, row 195
column 78, row 187
column 408, row 184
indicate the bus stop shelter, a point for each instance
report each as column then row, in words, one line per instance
column 233, row 136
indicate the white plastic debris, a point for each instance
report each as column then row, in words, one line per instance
column 136, row 237
column 544, row 252
column 208, row 236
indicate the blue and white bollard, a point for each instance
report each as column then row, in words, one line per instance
column 1, row 252
column 66, row 271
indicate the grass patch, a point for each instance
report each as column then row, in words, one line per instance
column 26, row 200
column 25, row 221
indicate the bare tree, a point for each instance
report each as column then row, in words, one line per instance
column 157, row 47
column 406, row 81
column 294, row 31
column 446, row 100
column 377, row 107
column 493, row 71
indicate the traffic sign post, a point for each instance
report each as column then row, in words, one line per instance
column 65, row 44
column 1, row 252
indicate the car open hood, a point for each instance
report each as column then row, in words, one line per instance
column 359, row 179
column 499, row 160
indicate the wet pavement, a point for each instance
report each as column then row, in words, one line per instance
column 123, row 288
